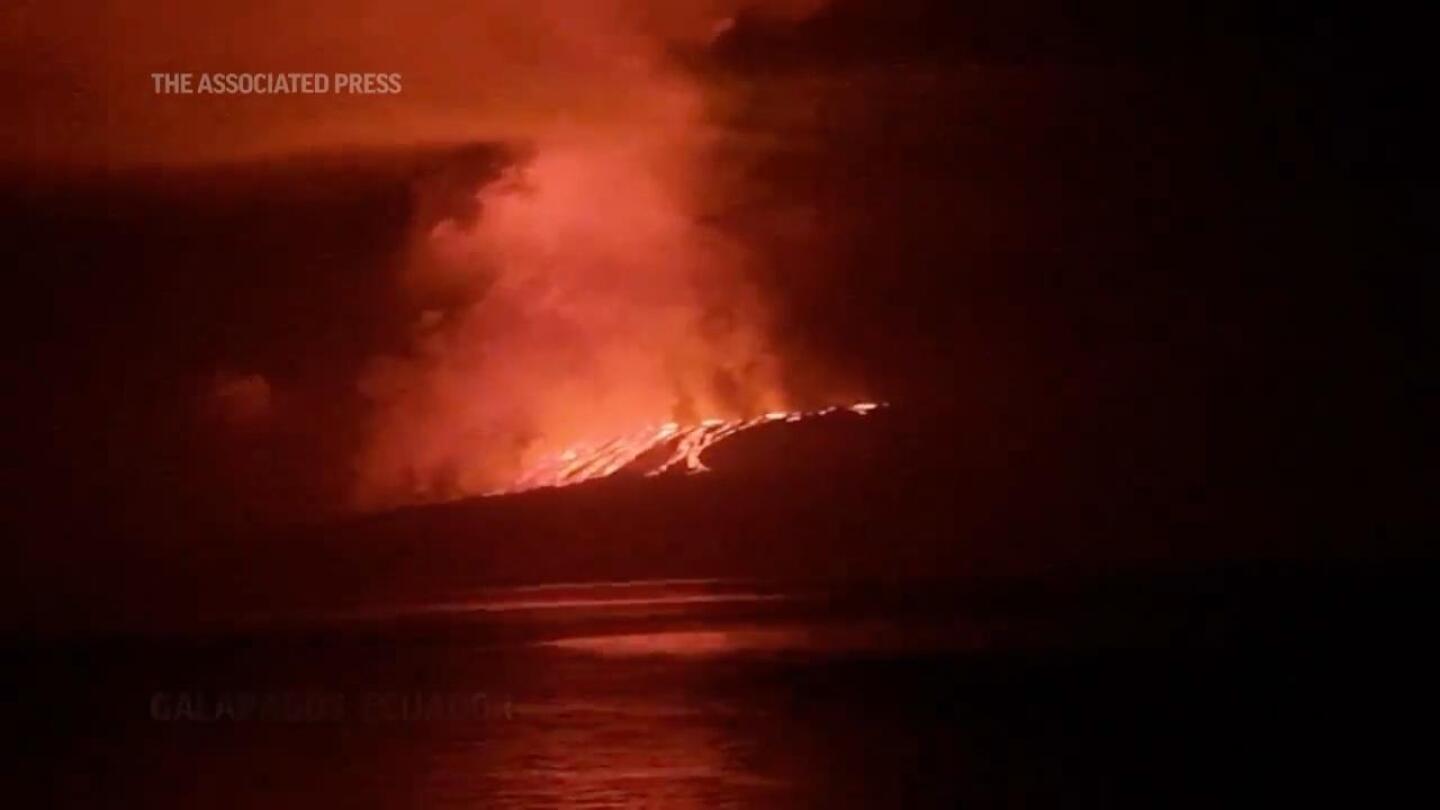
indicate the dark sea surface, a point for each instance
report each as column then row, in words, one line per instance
column 707, row 693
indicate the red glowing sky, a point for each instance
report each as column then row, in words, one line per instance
column 79, row 87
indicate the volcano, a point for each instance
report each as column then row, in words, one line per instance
column 654, row 450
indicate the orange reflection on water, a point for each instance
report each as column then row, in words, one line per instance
column 641, row 754
column 685, row 643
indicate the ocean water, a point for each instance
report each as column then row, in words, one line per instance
column 665, row 694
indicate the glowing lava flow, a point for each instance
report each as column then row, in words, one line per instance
column 673, row 446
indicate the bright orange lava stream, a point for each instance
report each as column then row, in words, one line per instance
column 674, row 447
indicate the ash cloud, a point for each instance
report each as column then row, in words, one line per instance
column 580, row 292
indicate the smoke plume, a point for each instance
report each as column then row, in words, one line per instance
column 578, row 291
column 581, row 294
